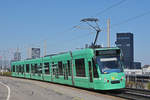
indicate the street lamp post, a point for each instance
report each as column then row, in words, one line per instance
column 1, row 64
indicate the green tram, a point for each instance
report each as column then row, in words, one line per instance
column 99, row 69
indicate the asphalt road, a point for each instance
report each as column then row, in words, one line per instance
column 23, row 89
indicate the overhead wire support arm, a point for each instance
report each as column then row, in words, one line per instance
column 91, row 26
column 97, row 33
column 98, row 26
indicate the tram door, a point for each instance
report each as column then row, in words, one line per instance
column 65, row 68
column 90, row 71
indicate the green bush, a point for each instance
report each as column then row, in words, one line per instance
column 5, row 73
column 148, row 85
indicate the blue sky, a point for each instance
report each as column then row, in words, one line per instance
column 27, row 23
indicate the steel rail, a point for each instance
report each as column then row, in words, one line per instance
column 133, row 94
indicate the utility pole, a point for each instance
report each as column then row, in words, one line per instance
column 45, row 46
column 0, row 61
column 28, row 52
column 2, row 64
column 108, row 33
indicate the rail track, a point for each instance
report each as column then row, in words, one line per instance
column 132, row 94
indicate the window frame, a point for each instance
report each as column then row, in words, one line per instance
column 69, row 67
column 95, row 70
column 80, row 67
column 27, row 68
column 46, row 67
column 13, row 68
column 60, row 68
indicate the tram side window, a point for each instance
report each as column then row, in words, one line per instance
column 60, row 68
column 80, row 67
column 32, row 68
column 53, row 70
column 69, row 68
column 46, row 67
column 27, row 68
column 13, row 68
column 40, row 68
column 35, row 67
column 22, row 69
column 95, row 70
column 19, row 68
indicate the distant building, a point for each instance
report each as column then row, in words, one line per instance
column 34, row 53
column 137, row 65
column 125, row 43
column 17, row 56
column 146, row 66
column 146, row 69
column 133, row 71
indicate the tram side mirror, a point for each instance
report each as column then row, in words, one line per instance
column 94, row 60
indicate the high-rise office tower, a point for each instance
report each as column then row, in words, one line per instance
column 126, row 43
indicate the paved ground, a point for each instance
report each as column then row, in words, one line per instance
column 22, row 89
column 3, row 92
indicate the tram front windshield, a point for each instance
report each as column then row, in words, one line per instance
column 109, row 64
column 109, row 61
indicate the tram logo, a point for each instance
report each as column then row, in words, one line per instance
column 113, row 78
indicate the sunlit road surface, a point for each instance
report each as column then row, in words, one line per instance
column 23, row 89
column 3, row 92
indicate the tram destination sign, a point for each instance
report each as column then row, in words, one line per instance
column 107, row 52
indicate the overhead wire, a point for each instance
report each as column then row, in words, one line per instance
column 110, row 7
column 71, row 28
column 132, row 18
column 103, row 11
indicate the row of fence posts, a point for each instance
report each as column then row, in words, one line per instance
column 134, row 82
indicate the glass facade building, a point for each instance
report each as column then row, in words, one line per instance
column 126, row 43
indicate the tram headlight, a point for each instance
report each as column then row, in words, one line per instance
column 105, row 79
column 100, row 78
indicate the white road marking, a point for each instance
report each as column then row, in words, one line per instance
column 8, row 90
